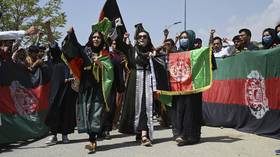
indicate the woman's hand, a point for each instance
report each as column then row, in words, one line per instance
column 96, row 60
column 156, row 95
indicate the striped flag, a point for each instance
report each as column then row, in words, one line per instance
column 245, row 93
column 23, row 102
column 184, row 72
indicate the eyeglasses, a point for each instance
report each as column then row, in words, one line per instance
column 142, row 36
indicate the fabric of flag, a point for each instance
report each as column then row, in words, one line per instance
column 104, row 26
column 72, row 54
column 111, row 11
column 76, row 59
column 23, row 102
column 245, row 93
column 187, row 72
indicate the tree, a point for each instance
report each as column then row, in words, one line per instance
column 21, row 14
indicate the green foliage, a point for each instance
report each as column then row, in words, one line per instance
column 21, row 14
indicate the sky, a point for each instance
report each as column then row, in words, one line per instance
column 225, row 16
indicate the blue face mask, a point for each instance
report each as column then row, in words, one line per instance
column 267, row 39
column 278, row 35
column 184, row 42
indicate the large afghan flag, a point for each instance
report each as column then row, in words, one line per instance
column 246, row 93
column 184, row 72
column 23, row 102
column 112, row 12
column 72, row 54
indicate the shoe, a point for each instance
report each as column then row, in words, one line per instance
column 52, row 140
column 138, row 138
column 65, row 139
column 188, row 141
column 179, row 139
column 146, row 142
column 91, row 147
column 107, row 135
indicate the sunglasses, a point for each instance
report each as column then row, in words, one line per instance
column 142, row 36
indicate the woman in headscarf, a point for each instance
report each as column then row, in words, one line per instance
column 91, row 99
column 61, row 117
column 277, row 34
column 187, row 109
column 268, row 38
column 138, row 103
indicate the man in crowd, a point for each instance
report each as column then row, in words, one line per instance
column 245, row 39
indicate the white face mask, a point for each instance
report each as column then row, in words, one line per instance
column 184, row 42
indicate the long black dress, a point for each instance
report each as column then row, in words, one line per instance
column 138, row 103
column 61, row 117
column 188, row 108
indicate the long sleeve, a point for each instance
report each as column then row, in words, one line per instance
column 11, row 35
column 154, row 82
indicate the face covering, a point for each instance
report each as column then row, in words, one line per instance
column 278, row 35
column 267, row 39
column 184, row 42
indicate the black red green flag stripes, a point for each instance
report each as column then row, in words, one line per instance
column 245, row 93
column 23, row 102
column 112, row 12
column 186, row 72
column 72, row 54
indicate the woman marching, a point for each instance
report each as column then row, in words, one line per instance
column 95, row 81
column 188, row 108
column 137, row 109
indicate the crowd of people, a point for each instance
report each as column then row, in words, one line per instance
column 133, row 95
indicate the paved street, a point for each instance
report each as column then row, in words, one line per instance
column 216, row 142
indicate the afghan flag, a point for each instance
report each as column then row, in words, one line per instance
column 184, row 72
column 245, row 93
column 72, row 54
column 76, row 59
column 23, row 102
column 112, row 12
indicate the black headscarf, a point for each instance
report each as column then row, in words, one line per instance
column 143, row 52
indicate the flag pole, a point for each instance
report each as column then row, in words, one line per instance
column 185, row 16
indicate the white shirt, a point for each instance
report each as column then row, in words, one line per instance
column 12, row 35
column 225, row 51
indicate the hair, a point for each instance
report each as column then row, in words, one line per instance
column 237, row 37
column 277, row 26
column 171, row 41
column 198, row 40
column 183, row 33
column 277, row 40
column 272, row 33
column 218, row 38
column 102, row 44
column 246, row 31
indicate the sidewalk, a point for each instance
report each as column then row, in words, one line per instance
column 215, row 142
